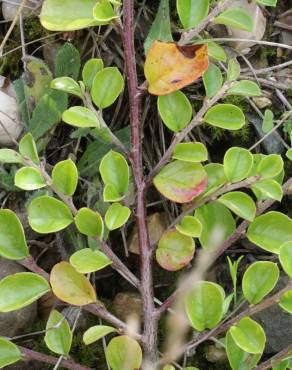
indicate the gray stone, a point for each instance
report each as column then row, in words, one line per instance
column 12, row 323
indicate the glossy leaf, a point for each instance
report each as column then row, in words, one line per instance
column 217, row 224
column 237, row 18
column 68, row 85
column 267, row 2
column 190, row 226
column 204, row 305
column 86, row 260
column 80, row 117
column 90, row 69
column 10, row 156
column 238, row 358
column 270, row 166
column 175, row 110
column 12, row 239
column 27, row 148
column 270, row 231
column 29, row 178
column 245, row 88
column 89, row 222
column 286, row 301
column 190, row 152
column 249, row 336
column 268, row 121
column 192, row 12
column 213, row 80
column 114, row 171
column 285, row 257
column 239, row 203
column 97, row 332
column 104, row 12
column 269, row 188
column 9, row 353
column 216, row 177
column 289, row 154
column 20, row 290
column 233, row 71
column 65, row 177
column 116, row 216
column 70, row 286
column 168, row 367
column 169, row 67
column 226, row 116
column 58, row 336
column 175, row 250
column 107, row 86
column 237, row 164
column 259, row 280
column 216, row 52
column 181, row 181
column 48, row 215
column 124, row 353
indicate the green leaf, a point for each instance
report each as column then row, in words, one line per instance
column 90, row 69
column 86, row 260
column 289, row 154
column 204, row 305
column 175, row 110
column 269, row 188
column 238, row 358
column 216, row 177
column 237, row 164
column 67, row 15
column 107, row 86
column 58, row 336
column 190, row 226
column 249, row 336
column 286, row 301
column 65, row 177
column 68, row 85
column 97, row 332
column 245, row 88
column 259, row 280
column 104, row 12
column 161, row 27
column 9, row 353
column 175, row 250
column 89, row 223
column 12, row 239
column 80, row 117
column 20, row 290
column 285, row 257
column 10, row 156
column 268, row 121
column 237, row 18
column 217, row 224
column 67, row 62
column 124, row 353
column 114, row 171
column 213, row 80
column 216, row 52
column 190, row 152
column 226, row 116
column 239, row 203
column 181, row 181
column 270, row 231
column 234, row 69
column 192, row 12
column 27, row 148
column 29, row 178
column 270, row 166
column 267, row 2
column 70, row 286
column 116, row 216
column 48, row 215
column 168, row 367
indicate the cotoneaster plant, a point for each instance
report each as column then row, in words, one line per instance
column 221, row 201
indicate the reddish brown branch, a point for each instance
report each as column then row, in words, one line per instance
column 276, row 360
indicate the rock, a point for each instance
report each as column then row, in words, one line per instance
column 215, row 353
column 262, row 102
column 9, row 8
column 259, row 21
column 11, row 323
column 157, row 224
column 128, row 305
column 276, row 323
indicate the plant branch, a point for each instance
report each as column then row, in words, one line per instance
column 276, row 360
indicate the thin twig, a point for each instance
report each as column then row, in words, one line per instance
column 276, row 360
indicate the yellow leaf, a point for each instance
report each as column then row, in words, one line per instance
column 169, row 67
column 70, row 286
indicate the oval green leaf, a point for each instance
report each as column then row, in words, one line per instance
column 216, row 177
column 27, row 148
column 237, row 18
column 65, row 177
column 10, row 156
column 233, row 71
column 89, row 222
column 68, row 85
column 116, row 216
column 237, row 164
column 80, row 117
column 104, row 12
column 90, row 69
column 213, row 80
column 124, row 353
column 270, row 166
column 58, row 336
column 86, row 260
column 190, row 226
column 245, row 88
column 286, row 301
column 97, row 332
column 239, row 203
column 9, row 353
column 268, row 188
column 285, row 257
column 29, row 178
column 192, row 12
column 190, row 152
column 226, row 116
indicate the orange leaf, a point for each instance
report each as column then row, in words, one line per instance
column 169, row 67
